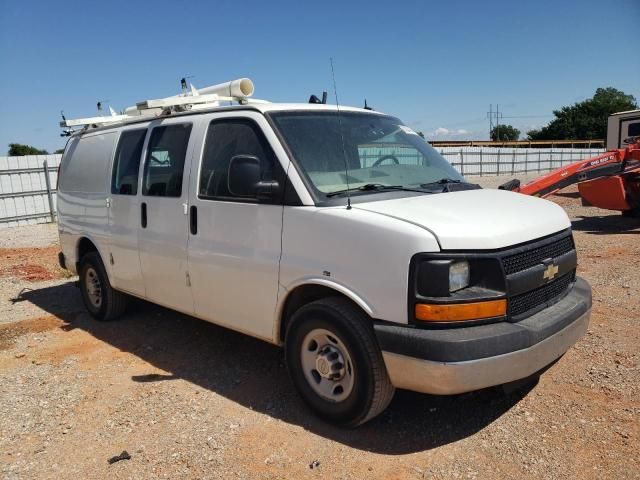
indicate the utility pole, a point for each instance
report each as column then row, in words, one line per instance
column 491, row 115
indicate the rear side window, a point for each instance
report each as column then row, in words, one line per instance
column 226, row 139
column 85, row 165
column 126, row 163
column 164, row 165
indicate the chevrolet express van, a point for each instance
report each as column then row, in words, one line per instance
column 336, row 232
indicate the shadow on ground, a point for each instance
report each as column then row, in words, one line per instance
column 605, row 224
column 251, row 373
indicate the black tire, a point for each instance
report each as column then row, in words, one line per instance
column 371, row 390
column 112, row 303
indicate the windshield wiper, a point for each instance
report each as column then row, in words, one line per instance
column 374, row 187
column 451, row 184
column 442, row 181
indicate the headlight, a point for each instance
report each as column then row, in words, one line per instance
column 443, row 288
column 439, row 277
column 458, row 275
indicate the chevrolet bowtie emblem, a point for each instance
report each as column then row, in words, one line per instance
column 550, row 272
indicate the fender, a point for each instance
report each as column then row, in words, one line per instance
column 338, row 287
column 107, row 264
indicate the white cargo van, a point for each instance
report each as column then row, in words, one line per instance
column 338, row 233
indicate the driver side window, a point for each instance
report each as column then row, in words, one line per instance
column 225, row 140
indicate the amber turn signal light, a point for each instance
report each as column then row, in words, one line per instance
column 458, row 312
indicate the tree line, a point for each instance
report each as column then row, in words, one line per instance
column 20, row 150
column 586, row 120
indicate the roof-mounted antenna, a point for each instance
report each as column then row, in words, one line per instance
column 68, row 131
column 99, row 105
column 314, row 99
column 344, row 152
column 367, row 107
column 184, row 85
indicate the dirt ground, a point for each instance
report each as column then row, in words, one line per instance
column 186, row 399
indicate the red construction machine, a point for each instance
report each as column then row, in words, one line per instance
column 610, row 181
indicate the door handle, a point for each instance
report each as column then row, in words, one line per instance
column 143, row 215
column 193, row 220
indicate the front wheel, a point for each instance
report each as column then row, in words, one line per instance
column 335, row 362
column 101, row 300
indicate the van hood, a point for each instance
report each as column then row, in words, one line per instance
column 476, row 219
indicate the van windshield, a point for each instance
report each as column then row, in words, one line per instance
column 362, row 152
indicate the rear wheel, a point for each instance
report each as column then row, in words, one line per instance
column 335, row 362
column 101, row 300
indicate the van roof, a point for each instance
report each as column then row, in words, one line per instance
column 259, row 107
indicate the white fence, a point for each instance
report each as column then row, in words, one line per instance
column 508, row 161
column 28, row 194
column 28, row 189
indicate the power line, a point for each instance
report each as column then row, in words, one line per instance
column 529, row 116
column 495, row 117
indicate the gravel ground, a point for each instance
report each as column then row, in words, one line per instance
column 41, row 235
column 187, row 399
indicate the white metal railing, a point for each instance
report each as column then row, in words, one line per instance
column 28, row 189
column 28, row 193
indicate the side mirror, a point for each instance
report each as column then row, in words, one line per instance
column 244, row 179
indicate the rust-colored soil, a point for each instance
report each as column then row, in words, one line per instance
column 31, row 264
column 9, row 332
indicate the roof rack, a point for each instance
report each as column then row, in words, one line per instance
column 191, row 99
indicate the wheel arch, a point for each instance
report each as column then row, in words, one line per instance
column 86, row 244
column 309, row 291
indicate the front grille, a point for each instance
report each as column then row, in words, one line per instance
column 540, row 296
column 529, row 258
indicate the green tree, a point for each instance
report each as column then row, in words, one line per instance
column 585, row 120
column 19, row 150
column 504, row 132
column 60, row 151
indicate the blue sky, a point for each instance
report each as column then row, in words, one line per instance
column 436, row 65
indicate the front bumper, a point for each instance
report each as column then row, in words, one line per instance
column 457, row 360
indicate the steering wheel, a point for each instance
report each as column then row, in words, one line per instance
column 386, row 157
